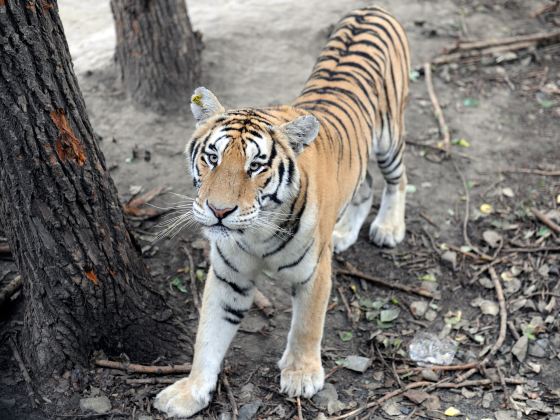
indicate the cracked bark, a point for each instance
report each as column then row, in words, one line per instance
column 157, row 51
column 85, row 284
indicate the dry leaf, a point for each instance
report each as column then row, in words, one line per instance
column 492, row 238
column 452, row 412
column 486, row 208
column 519, row 349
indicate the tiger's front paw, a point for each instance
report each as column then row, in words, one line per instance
column 185, row 397
column 299, row 378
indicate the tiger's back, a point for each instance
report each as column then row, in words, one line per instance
column 358, row 89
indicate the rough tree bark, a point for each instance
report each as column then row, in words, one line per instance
column 157, row 51
column 85, row 284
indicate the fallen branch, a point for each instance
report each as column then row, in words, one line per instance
column 529, row 171
column 502, row 332
column 408, row 289
column 545, row 220
column 150, row 381
column 429, row 385
column 443, row 129
column 529, row 250
column 135, row 368
column 477, row 55
column 535, row 38
column 8, row 291
column 263, row 303
column 441, row 368
column 24, row 372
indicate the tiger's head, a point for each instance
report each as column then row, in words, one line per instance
column 243, row 166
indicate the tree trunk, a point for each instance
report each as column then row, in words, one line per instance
column 157, row 51
column 85, row 284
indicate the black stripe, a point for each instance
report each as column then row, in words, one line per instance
column 299, row 260
column 225, row 260
column 238, row 313
column 274, row 195
column 232, row 321
column 243, row 291
column 291, row 171
column 272, row 154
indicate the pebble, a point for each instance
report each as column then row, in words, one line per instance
column 539, row 348
column 249, row 411
column 418, row 308
column 357, row 363
column 327, row 399
column 99, row 405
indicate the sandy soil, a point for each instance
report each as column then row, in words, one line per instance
column 260, row 53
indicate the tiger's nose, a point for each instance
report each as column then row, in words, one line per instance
column 221, row 213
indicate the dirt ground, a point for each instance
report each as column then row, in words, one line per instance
column 504, row 115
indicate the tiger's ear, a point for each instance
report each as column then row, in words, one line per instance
column 204, row 105
column 301, row 132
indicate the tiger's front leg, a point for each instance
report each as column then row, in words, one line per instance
column 224, row 304
column 302, row 371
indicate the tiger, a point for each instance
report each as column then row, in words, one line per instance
column 279, row 189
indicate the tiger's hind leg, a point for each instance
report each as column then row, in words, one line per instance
column 348, row 226
column 388, row 228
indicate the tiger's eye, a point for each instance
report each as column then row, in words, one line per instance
column 254, row 166
column 213, row 159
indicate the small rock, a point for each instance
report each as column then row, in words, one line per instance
column 321, row 416
column 419, row 308
column 487, row 399
column 246, row 393
column 492, row 238
column 486, row 282
column 450, row 258
column 249, row 411
column 225, row 416
column 430, row 375
column 145, row 417
column 392, row 408
column 519, row 349
column 505, row 415
column 357, row 363
column 328, row 393
column 430, row 315
column 327, row 399
column 539, row 348
column 99, row 405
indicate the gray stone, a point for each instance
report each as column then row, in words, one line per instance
column 539, row 348
column 418, row 308
column 357, row 363
column 249, row 411
column 99, row 405
column 145, row 417
column 430, row 375
column 449, row 258
column 326, row 395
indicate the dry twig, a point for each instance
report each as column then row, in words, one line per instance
column 430, row 385
column 263, row 303
column 545, row 220
column 24, row 372
column 346, row 305
column 150, row 381
column 502, row 331
column 408, row 289
column 231, row 398
column 443, row 129
column 12, row 287
column 135, row 368
column 5, row 249
column 529, row 171
column 299, row 412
